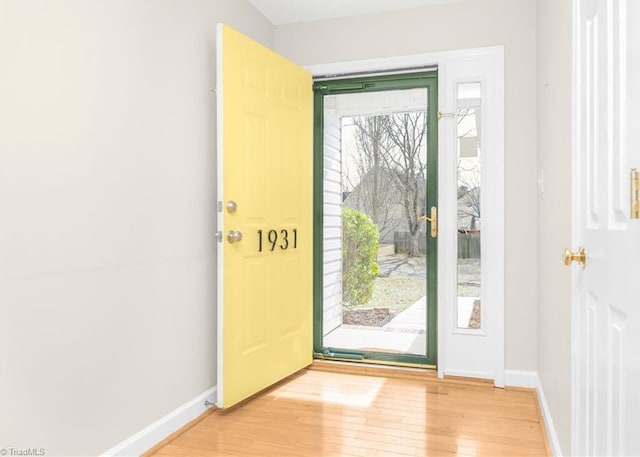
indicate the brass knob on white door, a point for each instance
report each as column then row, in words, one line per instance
column 580, row 256
column 234, row 236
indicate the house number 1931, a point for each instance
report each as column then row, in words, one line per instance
column 272, row 239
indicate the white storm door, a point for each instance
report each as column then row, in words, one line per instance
column 606, row 329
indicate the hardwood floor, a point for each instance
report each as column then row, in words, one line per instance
column 321, row 413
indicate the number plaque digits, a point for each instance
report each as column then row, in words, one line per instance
column 284, row 239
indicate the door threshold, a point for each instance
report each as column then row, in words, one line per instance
column 376, row 368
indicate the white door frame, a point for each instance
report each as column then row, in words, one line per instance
column 462, row 353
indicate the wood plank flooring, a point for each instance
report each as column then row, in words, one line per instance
column 321, row 413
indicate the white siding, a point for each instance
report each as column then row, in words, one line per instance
column 332, row 258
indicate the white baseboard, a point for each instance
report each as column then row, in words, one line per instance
column 468, row 374
column 517, row 378
column 548, row 421
column 530, row 379
column 151, row 435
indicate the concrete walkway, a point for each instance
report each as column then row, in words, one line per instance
column 401, row 265
column 405, row 333
column 412, row 318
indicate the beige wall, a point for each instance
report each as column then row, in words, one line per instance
column 468, row 24
column 107, row 220
column 554, row 210
column 107, row 187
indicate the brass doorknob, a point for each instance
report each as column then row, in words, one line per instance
column 580, row 256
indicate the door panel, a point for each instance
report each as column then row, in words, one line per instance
column 265, row 167
column 607, row 309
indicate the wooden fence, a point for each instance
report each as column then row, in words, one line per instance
column 468, row 244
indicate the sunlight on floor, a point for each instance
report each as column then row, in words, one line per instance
column 359, row 396
column 467, row 446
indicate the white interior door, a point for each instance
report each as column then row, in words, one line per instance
column 606, row 307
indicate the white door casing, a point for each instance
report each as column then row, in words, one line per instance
column 606, row 309
column 473, row 354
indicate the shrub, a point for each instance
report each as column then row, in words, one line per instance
column 359, row 252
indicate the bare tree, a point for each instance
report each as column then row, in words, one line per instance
column 391, row 167
column 407, row 163
column 374, row 195
column 469, row 193
column 469, row 186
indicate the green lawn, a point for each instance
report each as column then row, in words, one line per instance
column 395, row 293
column 399, row 292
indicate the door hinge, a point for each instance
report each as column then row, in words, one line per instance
column 219, row 236
column 635, row 194
column 220, row 206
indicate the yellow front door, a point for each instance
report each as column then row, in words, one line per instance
column 265, row 129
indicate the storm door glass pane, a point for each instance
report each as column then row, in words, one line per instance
column 375, row 153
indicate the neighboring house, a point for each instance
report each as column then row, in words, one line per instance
column 469, row 215
column 379, row 195
column 388, row 212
